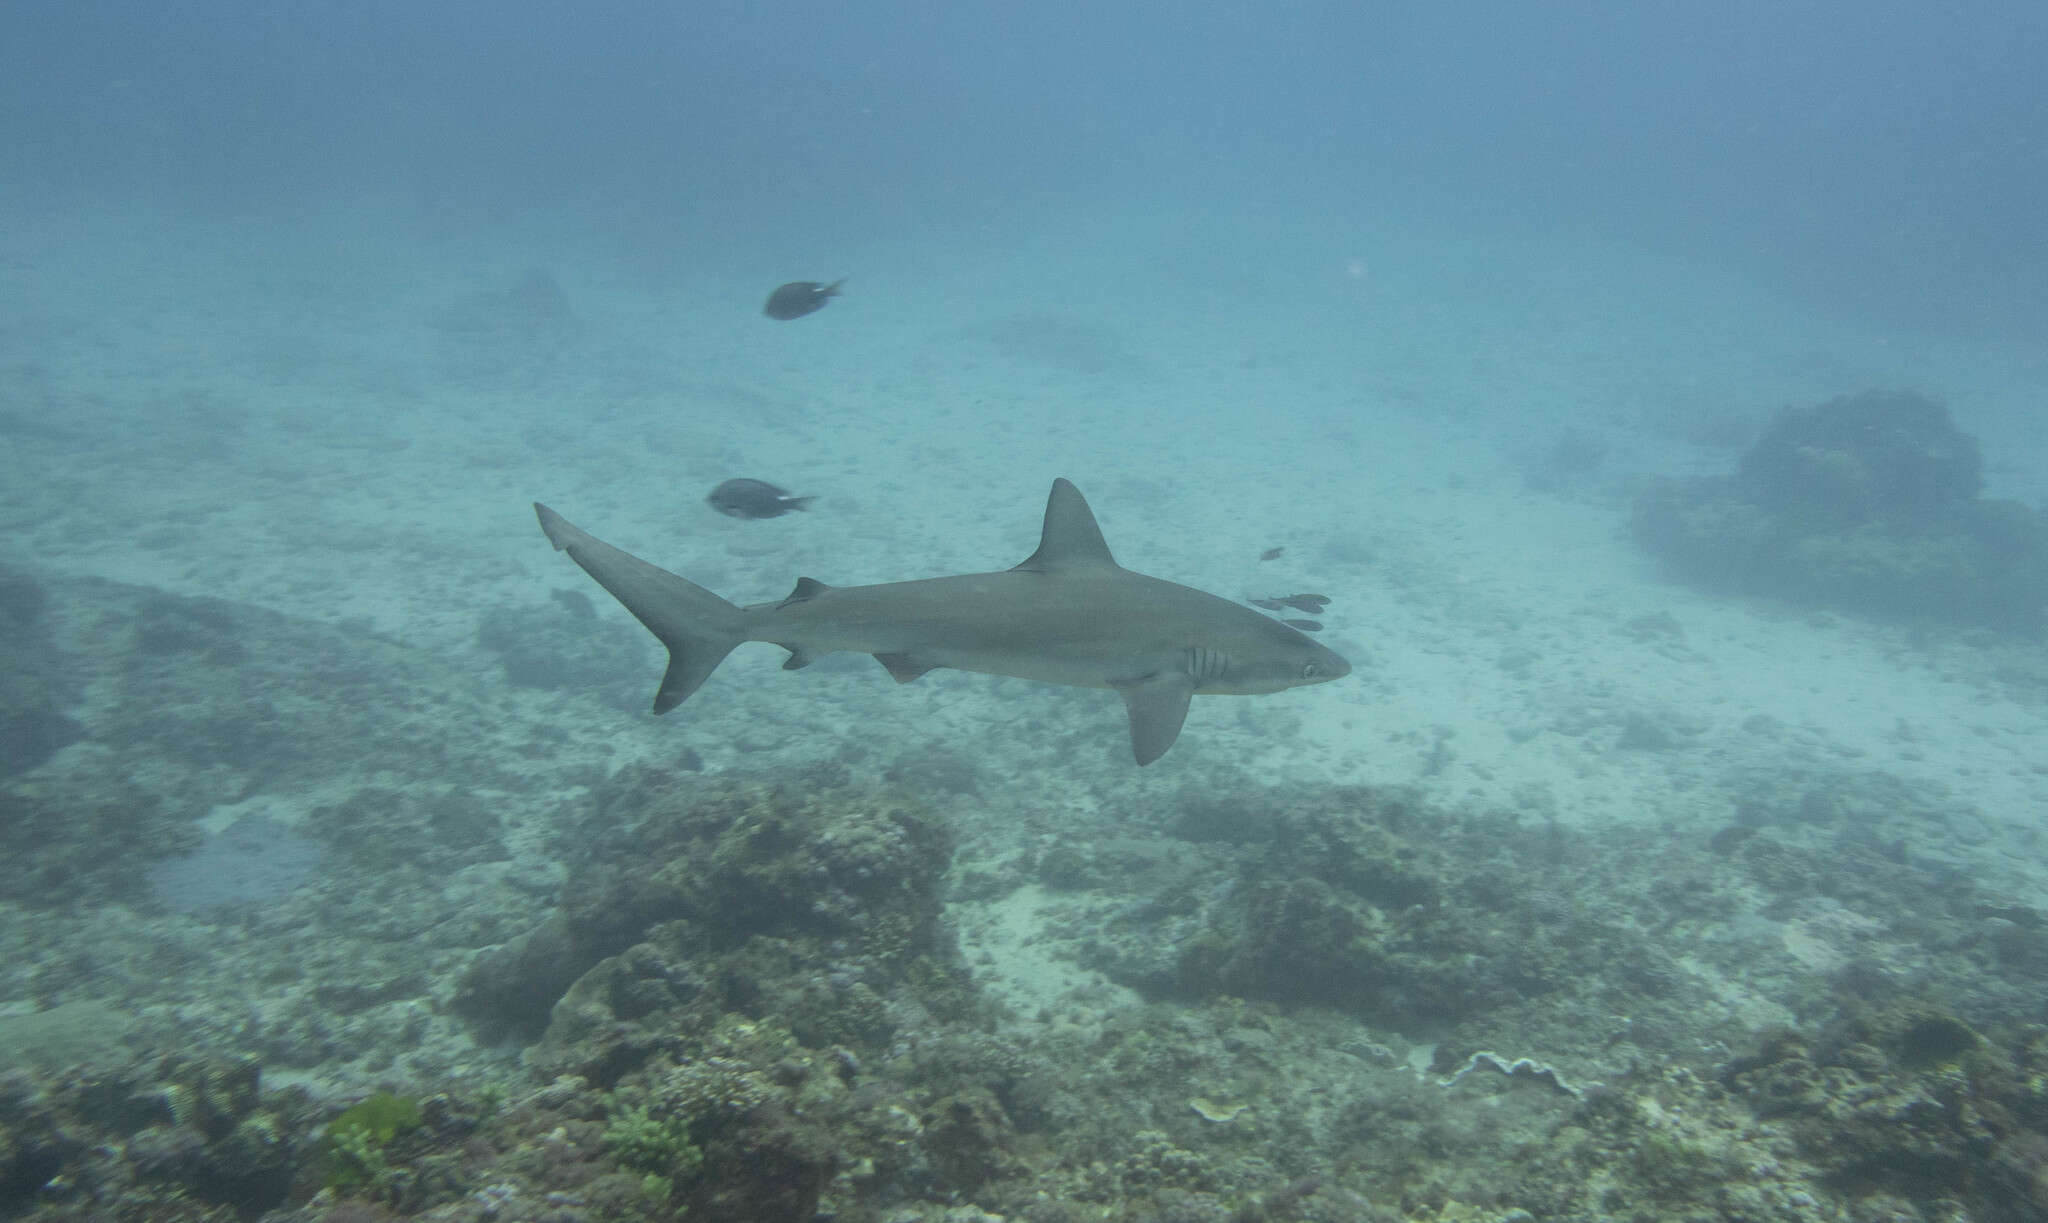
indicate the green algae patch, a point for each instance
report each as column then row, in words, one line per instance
column 352, row 1148
column 657, row 1147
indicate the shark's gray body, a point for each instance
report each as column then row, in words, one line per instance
column 1068, row 615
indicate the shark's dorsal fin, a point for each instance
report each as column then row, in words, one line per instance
column 1070, row 538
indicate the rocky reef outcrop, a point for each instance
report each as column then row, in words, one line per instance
column 1907, row 1109
column 747, row 1004
column 1871, row 504
column 812, row 898
column 36, row 680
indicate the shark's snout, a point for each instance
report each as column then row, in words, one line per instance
column 1327, row 665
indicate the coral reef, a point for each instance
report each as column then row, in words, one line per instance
column 195, row 703
column 1447, row 926
column 1869, row 503
column 170, row 1139
column 746, row 1003
column 1908, row 1105
column 396, row 770
column 704, row 894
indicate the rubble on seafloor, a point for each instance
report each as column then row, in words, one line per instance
column 748, row 1004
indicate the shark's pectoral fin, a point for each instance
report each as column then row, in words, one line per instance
column 1158, row 704
column 903, row 668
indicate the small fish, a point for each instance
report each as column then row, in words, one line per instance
column 754, row 499
column 800, row 297
column 1272, row 554
column 1306, row 626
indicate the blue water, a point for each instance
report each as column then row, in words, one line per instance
column 303, row 304
column 1332, row 277
column 1882, row 157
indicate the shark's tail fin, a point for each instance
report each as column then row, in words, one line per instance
column 698, row 627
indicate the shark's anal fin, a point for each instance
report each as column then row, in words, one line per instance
column 903, row 668
column 1158, row 704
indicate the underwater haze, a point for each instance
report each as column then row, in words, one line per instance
column 1642, row 401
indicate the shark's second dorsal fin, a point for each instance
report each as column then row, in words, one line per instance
column 806, row 588
column 1071, row 537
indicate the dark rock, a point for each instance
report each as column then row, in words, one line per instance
column 771, row 1170
column 1876, row 457
column 1868, row 503
column 174, row 1139
column 166, row 1152
column 1911, row 1103
column 563, row 646
column 509, row 990
column 726, row 894
column 36, row 679
column 966, row 1136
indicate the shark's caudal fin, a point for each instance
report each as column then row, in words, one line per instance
column 698, row 627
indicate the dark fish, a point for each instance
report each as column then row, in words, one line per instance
column 1272, row 554
column 800, row 297
column 1268, row 604
column 1306, row 626
column 754, row 499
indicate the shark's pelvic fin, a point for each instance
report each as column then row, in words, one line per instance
column 903, row 668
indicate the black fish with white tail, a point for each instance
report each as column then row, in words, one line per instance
column 1068, row 615
column 754, row 499
column 800, row 297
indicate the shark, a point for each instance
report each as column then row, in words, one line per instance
column 1069, row 614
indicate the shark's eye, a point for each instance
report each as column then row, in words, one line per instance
column 1309, row 670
